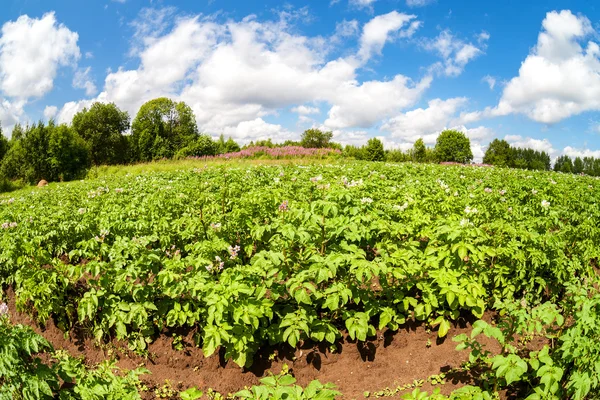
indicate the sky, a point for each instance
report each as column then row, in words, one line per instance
column 400, row 70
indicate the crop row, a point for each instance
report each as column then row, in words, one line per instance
column 287, row 254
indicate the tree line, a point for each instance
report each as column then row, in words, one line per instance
column 164, row 129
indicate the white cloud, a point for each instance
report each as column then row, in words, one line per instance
column 31, row 51
column 531, row 143
column 10, row 114
column 258, row 129
column 561, row 75
column 418, row 3
column 236, row 73
column 456, row 53
column 50, row 112
column 490, row 80
column 382, row 29
column 89, row 54
column 304, row 110
column 574, row 152
column 362, row 3
column 82, row 80
column 366, row 104
column 420, row 122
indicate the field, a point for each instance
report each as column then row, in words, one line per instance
column 362, row 275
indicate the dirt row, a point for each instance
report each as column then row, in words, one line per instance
column 390, row 360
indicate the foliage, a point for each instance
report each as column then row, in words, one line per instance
column 161, row 128
column 419, row 151
column 102, row 126
column 4, row 145
column 315, row 139
column 498, row 153
column 23, row 375
column 282, row 254
column 374, row 150
column 48, row 152
column 282, row 386
column 453, row 146
column 202, row 146
column 564, row 164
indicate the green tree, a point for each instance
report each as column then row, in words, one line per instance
column 68, row 154
column 498, row 153
column 227, row 146
column 102, row 126
column 315, row 138
column 564, row 164
column 202, row 146
column 374, row 150
column 161, row 128
column 4, row 144
column 419, row 151
column 578, row 165
column 453, row 146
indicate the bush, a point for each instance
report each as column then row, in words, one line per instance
column 453, row 146
column 374, row 150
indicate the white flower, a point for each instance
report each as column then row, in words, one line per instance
column 366, row 200
column 276, row 180
column 316, row 178
column 469, row 210
column 3, row 309
column 533, row 191
column 81, row 211
column 545, row 204
column 402, row 207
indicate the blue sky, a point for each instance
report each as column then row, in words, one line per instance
column 395, row 69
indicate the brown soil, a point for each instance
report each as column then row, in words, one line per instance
column 387, row 361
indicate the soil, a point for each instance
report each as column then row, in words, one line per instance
column 390, row 360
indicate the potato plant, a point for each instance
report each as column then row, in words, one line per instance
column 284, row 254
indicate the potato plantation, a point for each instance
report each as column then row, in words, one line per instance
column 247, row 257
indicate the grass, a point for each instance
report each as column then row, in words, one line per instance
column 187, row 164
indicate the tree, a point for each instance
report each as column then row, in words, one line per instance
column 4, row 144
column 453, row 146
column 419, row 151
column 315, row 138
column 68, row 154
column 161, row 128
column 102, row 126
column 229, row 146
column 564, row 164
column 578, row 165
column 498, row 153
column 374, row 150
column 202, row 146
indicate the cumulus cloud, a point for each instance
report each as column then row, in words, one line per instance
column 10, row 114
column 455, row 53
column 362, row 3
column 82, row 80
column 382, row 29
column 561, row 75
column 418, row 3
column 531, row 143
column 421, row 122
column 235, row 74
column 304, row 110
column 574, row 152
column 31, row 51
column 490, row 80
column 50, row 112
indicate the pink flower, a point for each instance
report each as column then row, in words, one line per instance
column 283, row 206
column 233, row 252
column 3, row 310
column 488, row 190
